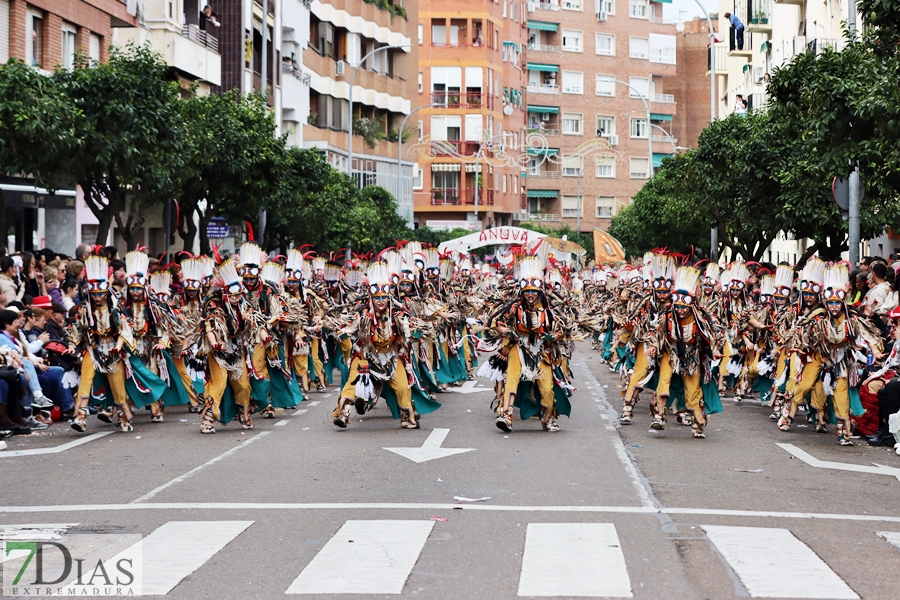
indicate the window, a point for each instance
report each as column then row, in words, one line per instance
column 606, row 205
column 571, row 206
column 638, row 9
column 354, row 49
column 638, row 128
column 606, row 167
column 640, row 86
column 445, row 180
column 504, row 8
column 421, row 131
column 68, row 46
column 637, row 47
column 572, row 82
column 606, row 44
column 607, row 6
column 438, row 34
column 639, row 168
column 326, row 39
column 417, row 178
column 446, row 83
column 571, row 124
column 504, row 183
column 444, row 128
column 94, row 49
column 421, row 33
column 420, row 82
column 605, row 85
column 662, row 49
column 571, row 4
column 571, row 165
column 606, row 126
column 571, row 40
column 34, row 36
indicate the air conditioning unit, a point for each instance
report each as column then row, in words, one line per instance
column 531, row 7
column 545, row 117
column 340, row 67
column 602, row 15
column 759, row 75
column 613, row 140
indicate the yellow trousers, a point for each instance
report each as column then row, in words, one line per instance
column 841, row 398
column 544, row 382
column 809, row 383
column 301, row 369
column 318, row 366
column 399, row 383
column 185, row 379
column 116, row 381
column 346, row 349
column 219, row 378
column 640, row 372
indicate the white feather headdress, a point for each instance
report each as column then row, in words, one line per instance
column 837, row 281
column 784, row 280
column 687, row 279
column 251, row 254
column 814, row 271
column 272, row 273
column 293, row 268
column 96, row 268
column 767, row 285
column 136, row 264
column 160, row 282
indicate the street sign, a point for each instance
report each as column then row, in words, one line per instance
column 217, row 228
column 840, row 191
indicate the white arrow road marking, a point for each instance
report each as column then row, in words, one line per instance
column 468, row 387
column 431, row 449
column 55, row 449
column 827, row 464
column 892, row 537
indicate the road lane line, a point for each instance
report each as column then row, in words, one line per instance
column 196, row 470
column 55, row 449
column 299, row 412
column 772, row 563
column 280, row 423
column 365, row 557
column 573, row 559
column 314, row 403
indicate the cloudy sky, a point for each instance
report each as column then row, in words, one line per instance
column 688, row 9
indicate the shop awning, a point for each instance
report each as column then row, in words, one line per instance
column 662, row 1
column 543, row 26
column 543, row 151
column 658, row 158
column 513, row 44
column 766, row 46
column 543, row 193
column 542, row 67
column 550, row 110
column 444, row 167
column 660, row 117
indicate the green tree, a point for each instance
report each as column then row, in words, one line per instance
column 37, row 127
column 233, row 161
column 130, row 134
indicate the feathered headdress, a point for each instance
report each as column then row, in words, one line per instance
column 784, row 281
column 530, row 273
column 813, row 276
column 712, row 274
column 293, row 269
column 447, row 268
column 432, row 260
column 739, row 275
column 193, row 270
column 662, row 269
column 378, row 276
column 554, row 277
column 394, row 263
column 272, row 273
column 767, row 285
column 160, row 282
column 251, row 255
column 354, row 277
column 229, row 278
column 332, row 272
column 600, row 277
column 687, row 279
column 97, row 272
column 837, row 282
column 318, row 264
column 136, row 266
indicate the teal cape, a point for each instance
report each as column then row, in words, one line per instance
column 529, row 406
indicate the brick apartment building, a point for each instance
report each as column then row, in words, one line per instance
column 691, row 86
column 595, row 70
column 471, row 120
column 341, row 34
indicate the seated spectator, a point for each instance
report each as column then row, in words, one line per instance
column 33, row 330
column 8, row 288
column 69, row 293
column 40, row 376
column 75, row 272
column 11, row 418
column 56, row 324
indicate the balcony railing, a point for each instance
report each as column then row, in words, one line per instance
column 192, row 32
column 543, row 88
column 290, row 69
column 662, row 56
column 536, row 217
column 818, row 45
column 542, row 48
column 664, row 138
column 546, row 6
column 545, row 174
column 445, row 196
column 661, row 20
column 545, row 130
column 667, row 98
column 454, row 148
column 485, row 197
column 462, row 100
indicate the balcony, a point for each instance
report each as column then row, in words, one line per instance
column 188, row 50
column 818, row 45
column 721, row 56
column 543, row 48
column 536, row 217
column 445, row 197
column 658, row 19
column 485, row 197
column 545, row 131
column 542, row 88
column 192, row 32
column 664, row 98
column 454, row 148
column 664, row 138
column 289, row 69
column 545, row 174
column 545, row 5
column 462, row 100
column 759, row 16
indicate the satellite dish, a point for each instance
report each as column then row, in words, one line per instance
column 508, row 110
column 679, row 27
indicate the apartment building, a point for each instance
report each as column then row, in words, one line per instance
column 47, row 34
column 470, row 126
column 696, row 107
column 370, row 45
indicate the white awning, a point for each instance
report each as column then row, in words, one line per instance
column 445, row 167
column 471, row 168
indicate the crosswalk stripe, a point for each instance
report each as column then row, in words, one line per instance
column 365, row 557
column 573, row 559
column 175, row 550
column 892, row 537
column 772, row 563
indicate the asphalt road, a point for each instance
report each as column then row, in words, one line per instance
column 297, row 507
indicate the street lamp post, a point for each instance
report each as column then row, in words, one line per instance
column 713, row 233
column 400, row 143
column 668, row 135
column 578, row 216
column 647, row 107
column 352, row 78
